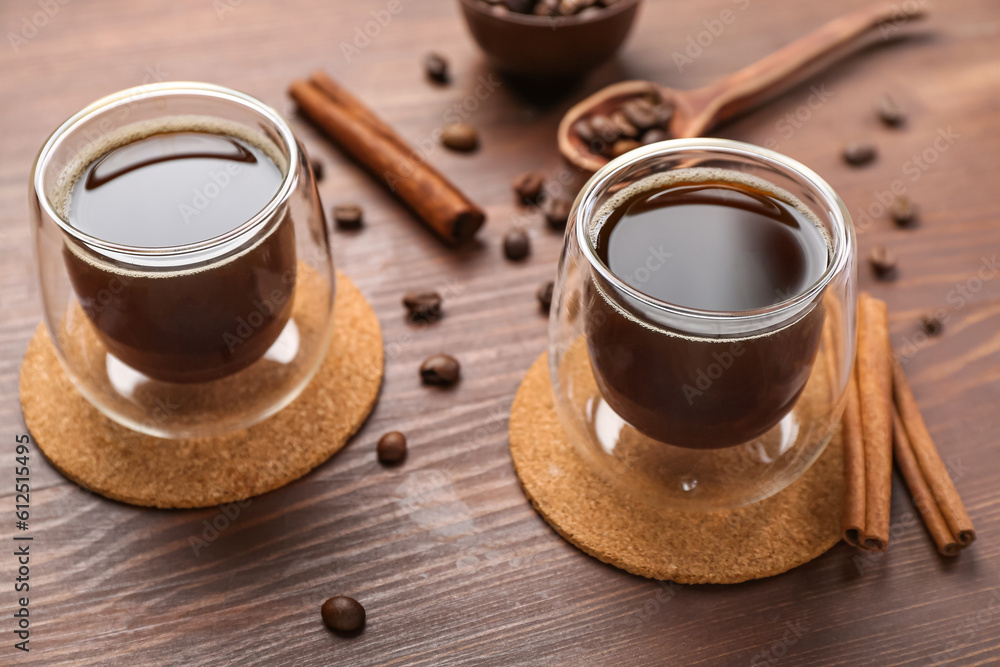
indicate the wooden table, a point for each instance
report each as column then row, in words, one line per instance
column 451, row 563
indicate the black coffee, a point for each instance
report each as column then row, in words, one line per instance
column 175, row 187
column 172, row 189
column 713, row 246
column 723, row 243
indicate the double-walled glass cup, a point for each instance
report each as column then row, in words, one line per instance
column 196, row 339
column 698, row 409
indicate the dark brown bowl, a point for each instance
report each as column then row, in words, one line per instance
column 549, row 47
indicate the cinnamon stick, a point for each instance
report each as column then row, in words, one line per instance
column 853, row 519
column 368, row 139
column 922, row 496
column 874, row 371
column 933, row 470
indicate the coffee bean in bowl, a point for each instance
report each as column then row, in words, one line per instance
column 546, row 39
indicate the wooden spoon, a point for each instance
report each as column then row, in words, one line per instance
column 697, row 111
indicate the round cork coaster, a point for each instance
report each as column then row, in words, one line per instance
column 118, row 463
column 725, row 547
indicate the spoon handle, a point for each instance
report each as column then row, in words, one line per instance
column 771, row 75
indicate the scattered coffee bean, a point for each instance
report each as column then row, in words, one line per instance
column 889, row 112
column 440, row 369
column 623, row 146
column 348, row 216
column 858, row 153
column 528, row 187
column 556, row 210
column 932, row 325
column 903, row 211
column 544, row 295
column 391, row 448
column 423, row 306
column 317, row 169
column 653, row 136
column 343, row 614
column 436, row 67
column 460, row 137
column 516, row 245
column 883, row 262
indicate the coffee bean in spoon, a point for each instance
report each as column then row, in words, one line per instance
column 520, row 6
column 440, row 369
column 653, row 136
column 391, row 448
column 859, row 153
column 460, row 137
column 423, row 306
column 343, row 614
column 348, row 216
column 623, row 146
column 516, row 245
column 436, row 67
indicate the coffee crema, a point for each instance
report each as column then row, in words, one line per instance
column 705, row 240
column 175, row 182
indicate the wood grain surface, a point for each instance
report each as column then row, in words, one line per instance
column 451, row 563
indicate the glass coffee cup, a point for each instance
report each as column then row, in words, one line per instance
column 703, row 322
column 184, row 259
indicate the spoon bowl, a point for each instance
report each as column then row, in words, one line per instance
column 695, row 112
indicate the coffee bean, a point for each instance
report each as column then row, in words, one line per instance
column 317, row 169
column 343, row 614
column 570, row 7
column 440, row 369
column 604, row 128
column 858, row 153
column 544, row 295
column 883, row 262
column 556, row 210
column 391, row 448
column 423, row 306
column 436, row 67
column 348, row 216
column 528, row 187
column 460, row 137
column 625, row 128
column 516, row 245
column 889, row 112
column 641, row 113
column 623, row 146
column 932, row 325
column 547, row 8
column 520, row 6
column 903, row 211
column 585, row 130
column 653, row 136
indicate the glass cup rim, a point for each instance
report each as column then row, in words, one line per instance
column 152, row 91
column 843, row 227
